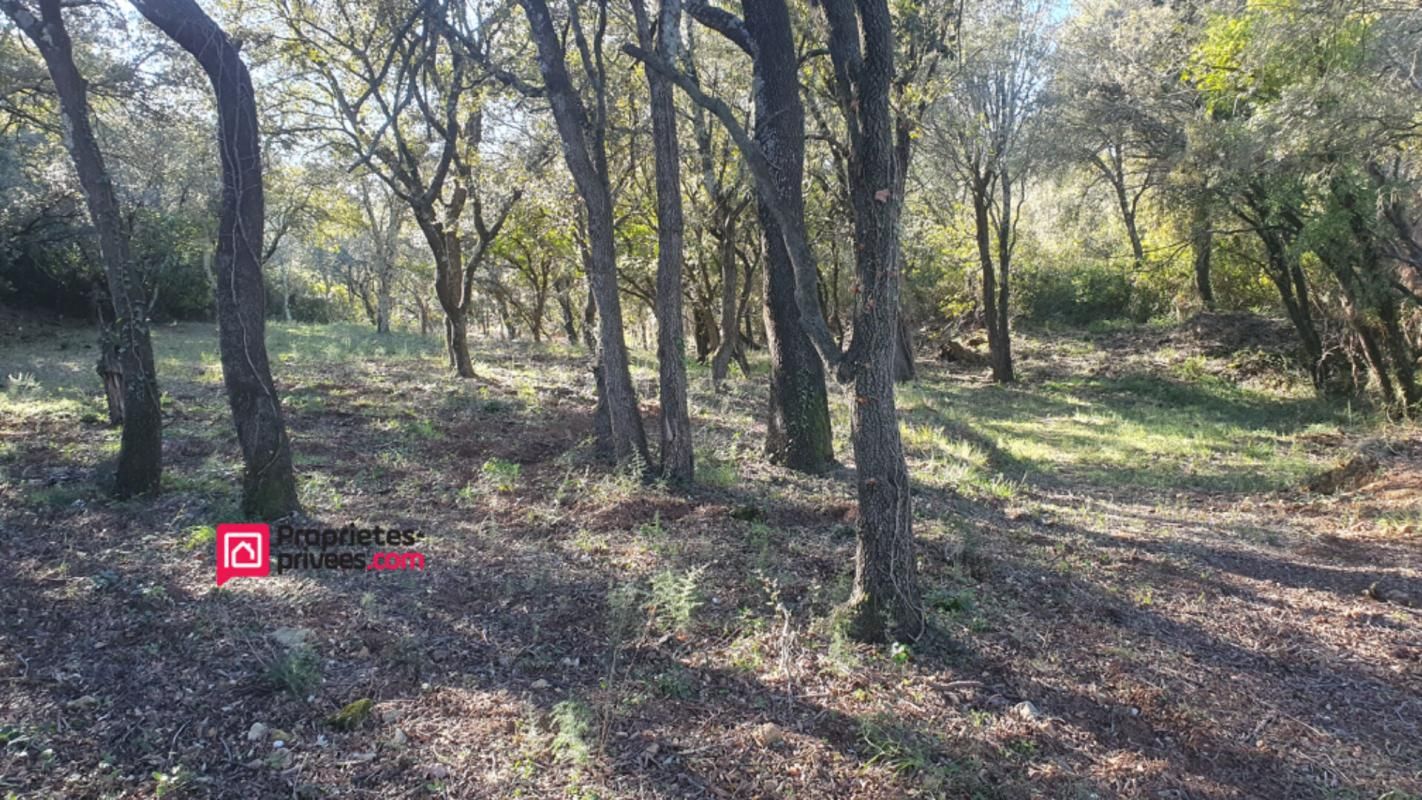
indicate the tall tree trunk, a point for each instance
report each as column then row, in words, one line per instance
column 885, row 599
column 448, row 252
column 676, row 450
column 798, row 433
column 140, row 460
column 998, row 353
column 268, row 485
column 884, row 602
column 904, row 369
column 565, row 306
column 588, row 168
column 1002, row 369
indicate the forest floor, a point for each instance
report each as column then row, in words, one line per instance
column 1133, row 595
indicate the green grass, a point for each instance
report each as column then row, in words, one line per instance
column 1184, row 430
column 1135, row 431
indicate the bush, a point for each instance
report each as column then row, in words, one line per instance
column 1084, row 293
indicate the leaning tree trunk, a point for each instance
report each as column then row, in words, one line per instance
column 676, row 452
column 268, row 485
column 629, row 440
column 140, row 459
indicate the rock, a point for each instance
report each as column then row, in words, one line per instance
column 281, row 759
column 399, row 739
column 538, row 684
column 87, row 701
column 767, row 734
column 955, row 353
column 351, row 717
column 1384, row 594
column 1026, row 710
column 257, row 732
column 436, row 772
column 291, row 638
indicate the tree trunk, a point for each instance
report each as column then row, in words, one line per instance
column 1201, row 243
column 904, row 369
column 565, row 305
column 268, row 486
column 798, row 433
column 676, row 450
column 140, row 460
column 999, row 354
column 884, row 602
column 730, row 344
column 588, row 168
column 1002, row 369
column 448, row 252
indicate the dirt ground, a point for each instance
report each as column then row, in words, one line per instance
column 1132, row 594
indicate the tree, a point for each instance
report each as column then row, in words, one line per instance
column 664, row 38
column 396, row 85
column 583, row 133
column 140, row 460
column 798, row 427
column 268, row 485
column 983, row 128
column 884, row 602
column 1120, row 103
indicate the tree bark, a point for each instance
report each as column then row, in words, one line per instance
column 798, row 432
column 884, row 602
column 140, row 459
column 730, row 344
column 999, row 352
column 677, row 455
column 588, row 167
column 268, row 485
column 1201, row 244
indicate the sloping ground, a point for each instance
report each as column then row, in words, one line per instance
column 1132, row 597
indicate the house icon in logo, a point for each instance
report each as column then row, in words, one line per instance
column 243, row 551
column 243, row 554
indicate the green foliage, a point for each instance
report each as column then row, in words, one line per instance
column 297, row 671
column 572, row 723
column 501, row 474
column 351, row 715
column 675, row 597
column 200, row 536
column 1082, row 293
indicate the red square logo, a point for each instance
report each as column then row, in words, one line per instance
column 243, row 551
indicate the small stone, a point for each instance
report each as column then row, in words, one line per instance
column 1026, row 710
column 291, row 638
column 398, row 739
column 539, row 684
column 257, row 732
column 767, row 734
column 437, row 772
